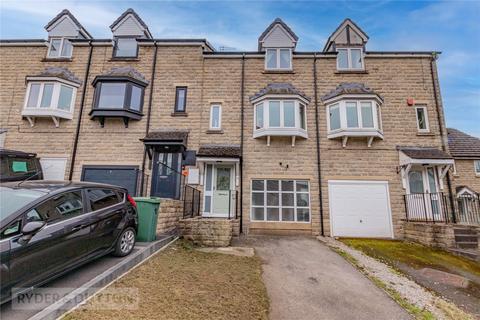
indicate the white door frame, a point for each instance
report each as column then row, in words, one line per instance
column 210, row 193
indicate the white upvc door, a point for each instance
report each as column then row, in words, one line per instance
column 219, row 191
column 423, row 186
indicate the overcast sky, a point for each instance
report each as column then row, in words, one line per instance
column 452, row 27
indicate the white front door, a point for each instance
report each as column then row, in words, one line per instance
column 218, row 191
column 424, row 196
column 53, row 168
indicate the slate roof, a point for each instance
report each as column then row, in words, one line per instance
column 349, row 88
column 71, row 16
column 126, row 71
column 279, row 88
column 219, row 150
column 270, row 27
column 132, row 12
column 167, row 135
column 424, row 153
column 59, row 72
column 462, row 145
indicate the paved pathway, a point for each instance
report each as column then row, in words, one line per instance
column 306, row 280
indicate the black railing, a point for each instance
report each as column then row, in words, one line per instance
column 191, row 202
column 468, row 209
column 428, row 207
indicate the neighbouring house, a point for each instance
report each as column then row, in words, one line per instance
column 340, row 142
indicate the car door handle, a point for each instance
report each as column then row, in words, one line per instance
column 80, row 226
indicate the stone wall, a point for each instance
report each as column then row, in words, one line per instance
column 169, row 213
column 435, row 235
column 207, row 231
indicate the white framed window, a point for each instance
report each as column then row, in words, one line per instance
column 280, row 114
column 353, row 114
column 278, row 59
column 476, row 164
column 50, row 95
column 280, row 200
column 350, row 59
column 216, row 117
column 422, row 119
column 60, row 48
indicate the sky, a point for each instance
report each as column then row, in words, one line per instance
column 452, row 27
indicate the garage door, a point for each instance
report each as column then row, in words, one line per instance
column 360, row 209
column 53, row 168
column 123, row 176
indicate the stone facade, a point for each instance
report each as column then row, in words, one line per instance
column 169, row 213
column 465, row 174
column 207, row 232
column 217, row 78
column 435, row 235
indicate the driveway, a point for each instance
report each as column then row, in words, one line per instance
column 306, row 280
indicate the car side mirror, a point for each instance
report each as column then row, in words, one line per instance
column 32, row 227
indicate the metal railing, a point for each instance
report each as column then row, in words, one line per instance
column 468, row 209
column 191, row 202
column 428, row 207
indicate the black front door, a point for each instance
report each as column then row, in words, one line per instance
column 166, row 177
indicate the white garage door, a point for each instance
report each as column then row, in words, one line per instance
column 53, row 168
column 360, row 209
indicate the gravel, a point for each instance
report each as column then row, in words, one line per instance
column 408, row 289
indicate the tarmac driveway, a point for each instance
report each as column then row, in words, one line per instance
column 306, row 280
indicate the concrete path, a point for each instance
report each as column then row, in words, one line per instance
column 306, row 280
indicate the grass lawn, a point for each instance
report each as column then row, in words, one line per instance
column 183, row 283
column 414, row 255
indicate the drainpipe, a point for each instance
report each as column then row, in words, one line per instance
column 319, row 168
column 242, row 120
column 149, row 114
column 82, row 104
column 441, row 124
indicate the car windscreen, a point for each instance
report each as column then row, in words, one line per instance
column 17, row 166
column 13, row 199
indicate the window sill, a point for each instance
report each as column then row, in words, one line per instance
column 214, row 131
column 351, row 72
column 124, row 59
column 57, row 59
column 278, row 72
column 179, row 114
column 428, row 134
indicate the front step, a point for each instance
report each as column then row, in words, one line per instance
column 465, row 231
column 466, row 238
column 467, row 245
column 471, row 254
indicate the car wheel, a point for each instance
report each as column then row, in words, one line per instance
column 125, row 242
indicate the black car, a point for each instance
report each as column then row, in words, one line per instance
column 19, row 165
column 48, row 228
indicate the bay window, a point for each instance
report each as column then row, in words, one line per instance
column 280, row 118
column 354, row 118
column 117, row 97
column 350, row 59
column 53, row 99
column 278, row 59
column 280, row 200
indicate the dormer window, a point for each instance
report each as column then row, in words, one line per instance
column 125, row 48
column 278, row 59
column 350, row 59
column 60, row 48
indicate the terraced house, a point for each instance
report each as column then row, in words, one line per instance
column 340, row 142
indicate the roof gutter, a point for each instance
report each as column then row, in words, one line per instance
column 441, row 124
column 149, row 115
column 317, row 129
column 82, row 106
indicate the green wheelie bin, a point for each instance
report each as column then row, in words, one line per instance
column 147, row 209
